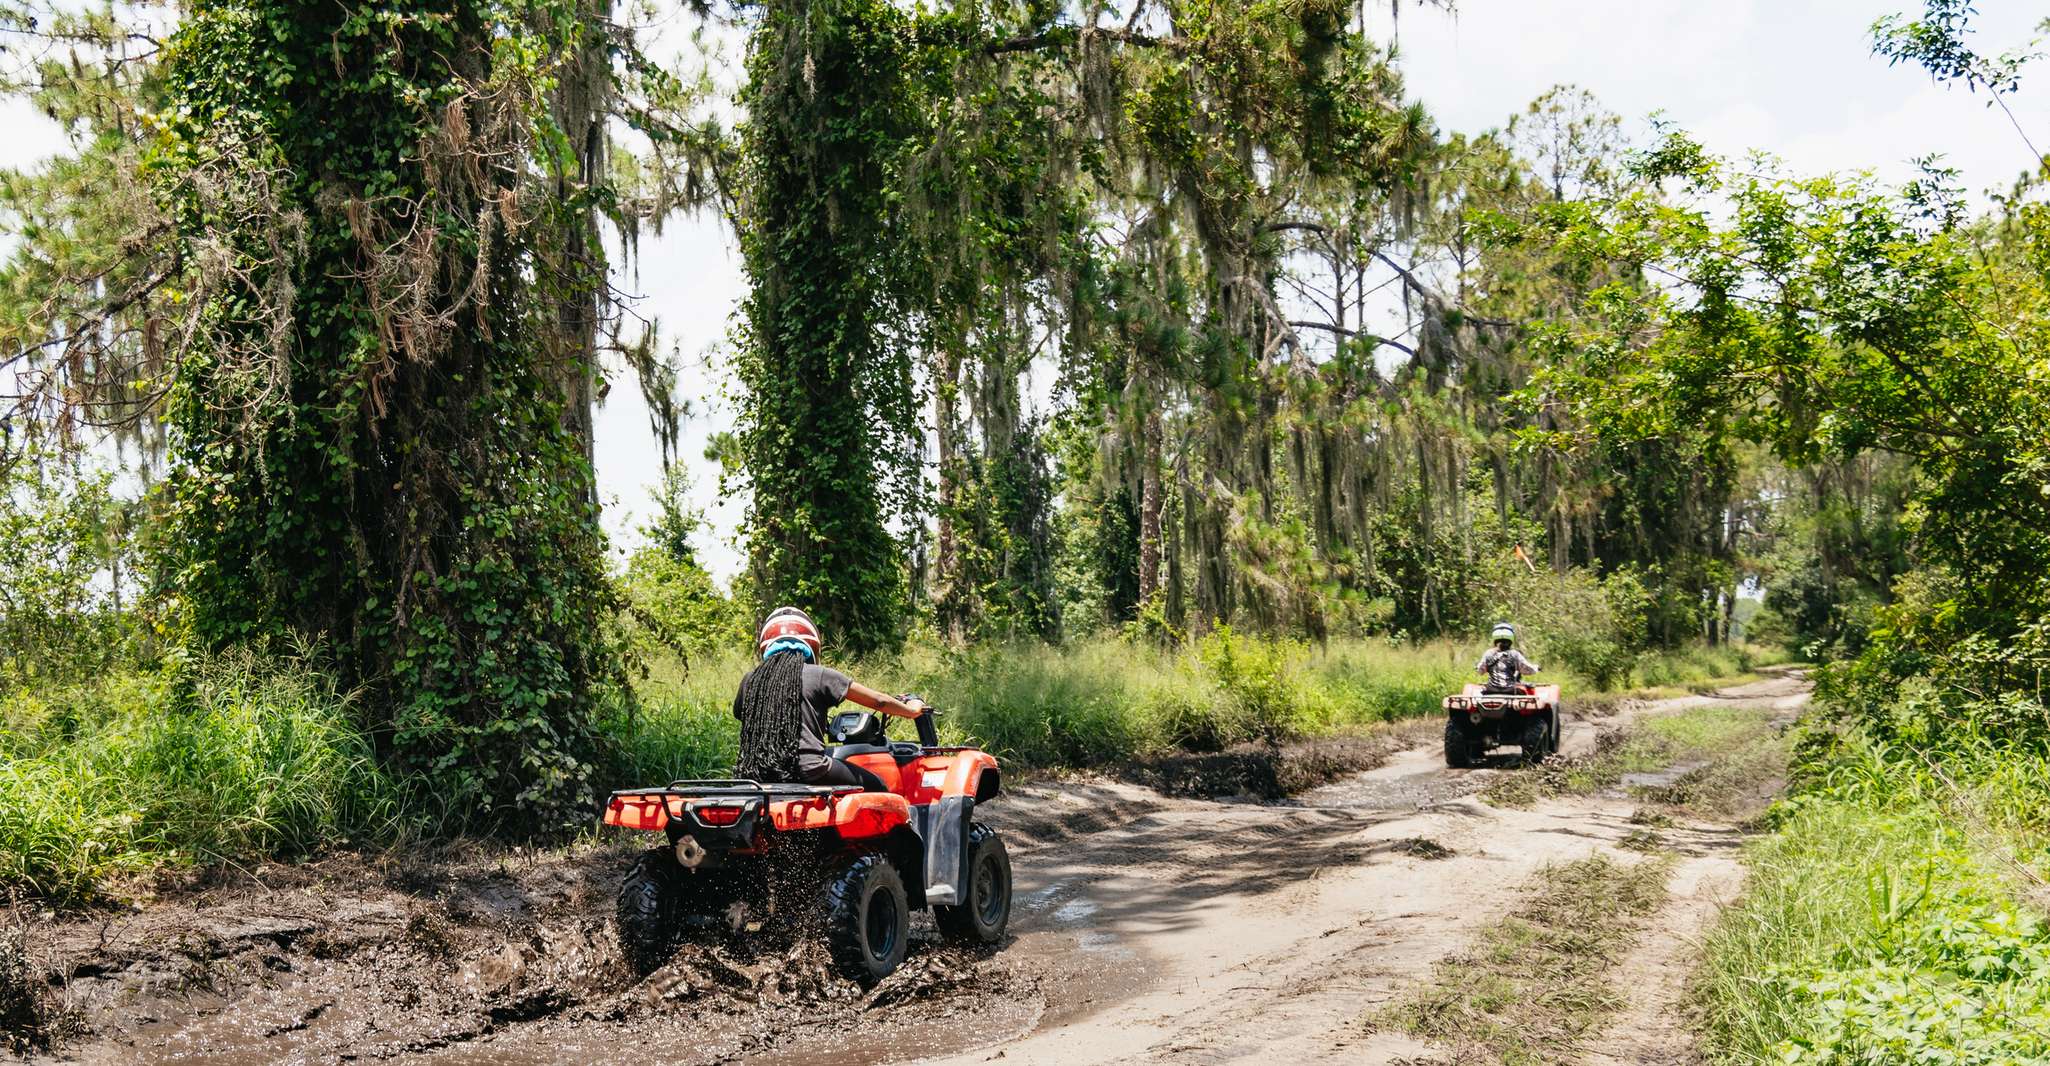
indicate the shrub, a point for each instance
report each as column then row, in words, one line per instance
column 1875, row 936
column 1256, row 679
column 231, row 761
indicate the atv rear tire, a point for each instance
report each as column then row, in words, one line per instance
column 650, row 908
column 868, row 918
column 986, row 911
column 1538, row 740
column 1462, row 748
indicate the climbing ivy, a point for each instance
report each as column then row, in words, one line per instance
column 829, row 425
column 368, row 432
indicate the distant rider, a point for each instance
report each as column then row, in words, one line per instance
column 783, row 702
column 1504, row 666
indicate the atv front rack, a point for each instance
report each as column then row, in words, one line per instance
column 1491, row 703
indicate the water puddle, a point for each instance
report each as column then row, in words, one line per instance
column 1039, row 898
column 1665, row 778
column 1075, row 910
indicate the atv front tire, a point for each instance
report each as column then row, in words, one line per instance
column 650, row 908
column 868, row 918
column 986, row 910
column 1462, row 748
column 1538, row 740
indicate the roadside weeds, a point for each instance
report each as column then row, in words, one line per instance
column 1721, row 761
column 1536, row 985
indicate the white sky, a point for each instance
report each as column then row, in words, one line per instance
column 1793, row 77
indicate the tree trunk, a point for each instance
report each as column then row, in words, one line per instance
column 947, row 590
column 579, row 104
column 1149, row 506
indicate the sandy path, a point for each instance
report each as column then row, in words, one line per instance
column 1269, row 934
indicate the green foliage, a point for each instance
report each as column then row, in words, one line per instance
column 1875, row 936
column 828, row 419
column 66, row 562
column 233, row 760
column 670, row 602
column 682, row 725
column 1593, row 626
column 370, row 428
column 1262, row 698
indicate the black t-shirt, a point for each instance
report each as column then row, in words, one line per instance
column 824, row 689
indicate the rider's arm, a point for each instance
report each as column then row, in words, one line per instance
column 1482, row 666
column 883, row 701
column 1528, row 666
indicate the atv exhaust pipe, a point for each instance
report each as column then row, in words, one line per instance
column 689, row 853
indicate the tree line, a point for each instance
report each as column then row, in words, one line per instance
column 341, row 276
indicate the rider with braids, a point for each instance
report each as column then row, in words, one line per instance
column 783, row 704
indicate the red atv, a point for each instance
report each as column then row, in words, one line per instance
column 1480, row 718
column 854, row 863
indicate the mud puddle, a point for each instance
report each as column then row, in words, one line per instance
column 1656, row 779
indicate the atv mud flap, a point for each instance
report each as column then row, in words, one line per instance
column 946, row 849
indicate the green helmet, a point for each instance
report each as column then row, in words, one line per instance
column 1504, row 631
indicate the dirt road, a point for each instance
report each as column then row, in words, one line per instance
column 1148, row 929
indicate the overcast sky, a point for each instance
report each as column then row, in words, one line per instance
column 1793, row 77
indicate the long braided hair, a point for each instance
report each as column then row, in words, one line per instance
column 771, row 709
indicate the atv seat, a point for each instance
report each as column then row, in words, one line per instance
column 901, row 750
column 1508, row 690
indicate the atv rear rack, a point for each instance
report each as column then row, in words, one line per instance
column 740, row 786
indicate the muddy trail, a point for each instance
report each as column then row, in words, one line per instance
column 1147, row 928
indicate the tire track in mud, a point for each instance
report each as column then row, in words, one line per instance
column 1147, row 929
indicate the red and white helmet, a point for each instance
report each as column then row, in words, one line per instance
column 789, row 625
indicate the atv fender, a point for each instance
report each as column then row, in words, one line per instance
column 855, row 816
column 951, row 816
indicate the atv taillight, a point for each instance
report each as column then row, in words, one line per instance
column 716, row 815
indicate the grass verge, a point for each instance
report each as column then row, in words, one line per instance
column 1537, row 982
column 242, row 761
column 1880, row 922
column 1727, row 761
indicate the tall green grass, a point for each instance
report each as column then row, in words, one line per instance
column 1881, row 921
column 1106, row 701
column 1870, row 936
column 235, row 760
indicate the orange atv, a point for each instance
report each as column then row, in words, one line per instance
column 744, row 853
column 1482, row 717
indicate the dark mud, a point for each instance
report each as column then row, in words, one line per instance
column 486, row 956
column 1267, row 771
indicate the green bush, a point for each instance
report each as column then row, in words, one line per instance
column 1871, row 936
column 231, row 761
column 1260, row 695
